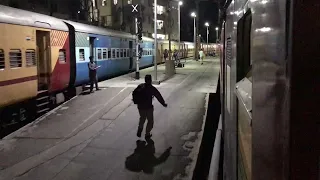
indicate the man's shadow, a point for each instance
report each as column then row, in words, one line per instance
column 143, row 158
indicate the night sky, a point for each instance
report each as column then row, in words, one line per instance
column 208, row 12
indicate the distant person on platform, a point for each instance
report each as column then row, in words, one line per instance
column 93, row 74
column 165, row 54
column 143, row 96
column 201, row 54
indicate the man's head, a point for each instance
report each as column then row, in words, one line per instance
column 91, row 58
column 148, row 79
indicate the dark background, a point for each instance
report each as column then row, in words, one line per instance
column 208, row 12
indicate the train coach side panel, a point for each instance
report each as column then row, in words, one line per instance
column 112, row 66
column 82, row 44
column 18, row 76
column 60, row 60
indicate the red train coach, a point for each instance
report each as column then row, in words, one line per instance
column 34, row 60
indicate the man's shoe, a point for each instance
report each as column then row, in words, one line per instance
column 139, row 133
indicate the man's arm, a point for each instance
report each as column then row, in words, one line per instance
column 158, row 95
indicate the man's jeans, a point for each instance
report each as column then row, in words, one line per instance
column 146, row 114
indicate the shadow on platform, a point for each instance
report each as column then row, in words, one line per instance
column 143, row 159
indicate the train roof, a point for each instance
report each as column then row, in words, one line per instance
column 85, row 28
column 26, row 18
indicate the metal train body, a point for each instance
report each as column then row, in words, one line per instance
column 268, row 97
column 42, row 56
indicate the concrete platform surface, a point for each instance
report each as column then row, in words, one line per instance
column 93, row 136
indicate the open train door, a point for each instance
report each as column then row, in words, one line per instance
column 91, row 47
column 43, row 60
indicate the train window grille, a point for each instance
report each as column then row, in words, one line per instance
column 2, row 60
column 81, row 55
column 134, row 52
column 128, row 53
column 104, row 54
column 31, row 58
column 125, row 53
column 113, row 53
column 99, row 52
column 109, row 53
column 121, row 52
column 15, row 58
column 117, row 53
column 62, row 56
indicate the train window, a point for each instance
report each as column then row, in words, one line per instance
column 243, row 45
column 134, row 52
column 62, row 56
column 104, row 54
column 125, row 53
column 109, row 53
column 2, row 59
column 15, row 58
column 113, row 53
column 99, row 54
column 121, row 52
column 118, row 53
column 81, row 55
column 30, row 57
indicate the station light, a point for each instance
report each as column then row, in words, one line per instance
column 193, row 14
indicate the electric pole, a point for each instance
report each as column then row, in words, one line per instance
column 170, row 67
column 139, row 50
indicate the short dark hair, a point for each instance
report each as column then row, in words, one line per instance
column 148, row 78
column 90, row 57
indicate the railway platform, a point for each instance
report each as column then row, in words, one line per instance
column 93, row 136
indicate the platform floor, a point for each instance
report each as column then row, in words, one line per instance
column 91, row 136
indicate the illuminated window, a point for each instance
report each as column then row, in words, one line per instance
column 99, row 54
column 115, row 2
column 129, row 1
column 124, row 53
column 104, row 2
column 15, row 58
column 160, row 9
column 159, row 24
column 113, row 53
column 121, row 52
column 104, row 54
column 118, row 53
column 62, row 56
column 30, row 57
column 81, row 55
column 109, row 53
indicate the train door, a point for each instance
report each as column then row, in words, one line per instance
column 131, row 55
column 91, row 47
column 244, row 110
column 43, row 60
